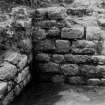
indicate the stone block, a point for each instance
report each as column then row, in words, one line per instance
column 75, row 32
column 100, row 59
column 42, row 57
column 103, row 48
column 94, row 81
column 77, row 58
column 76, row 80
column 62, row 46
column 22, row 75
column 69, row 69
column 49, row 67
column 94, row 33
column 84, row 44
column 102, row 81
column 7, row 71
column 54, row 32
column 88, row 70
column 38, row 34
column 58, row 79
column 84, row 51
column 56, row 13
column 46, row 24
column 57, row 58
column 12, row 57
column 101, row 70
column 45, row 45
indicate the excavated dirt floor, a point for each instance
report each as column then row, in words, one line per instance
column 60, row 94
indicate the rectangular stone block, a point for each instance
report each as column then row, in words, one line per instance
column 56, row 13
column 76, row 32
column 42, row 57
column 53, row 32
column 94, row 33
column 62, row 46
column 88, row 70
column 94, row 81
column 84, row 51
column 76, row 80
column 7, row 71
column 57, row 58
column 45, row 45
column 100, row 59
column 77, row 58
column 84, row 44
column 49, row 67
column 46, row 24
column 102, row 49
column 70, row 69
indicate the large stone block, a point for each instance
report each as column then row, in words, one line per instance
column 49, row 67
column 76, row 80
column 77, row 58
column 62, row 46
column 45, row 45
column 38, row 34
column 7, row 71
column 69, row 69
column 94, row 33
column 46, row 24
column 57, row 58
column 76, row 32
column 43, row 57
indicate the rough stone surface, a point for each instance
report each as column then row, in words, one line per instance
column 69, row 69
column 62, row 46
column 72, row 33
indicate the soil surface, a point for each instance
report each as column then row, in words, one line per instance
column 60, row 94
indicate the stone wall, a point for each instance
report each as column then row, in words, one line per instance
column 69, row 45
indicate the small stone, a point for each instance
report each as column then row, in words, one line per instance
column 93, row 81
column 62, row 46
column 17, row 90
column 42, row 57
column 70, row 69
column 49, row 67
column 76, row 80
column 102, row 81
column 75, row 32
column 57, row 58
